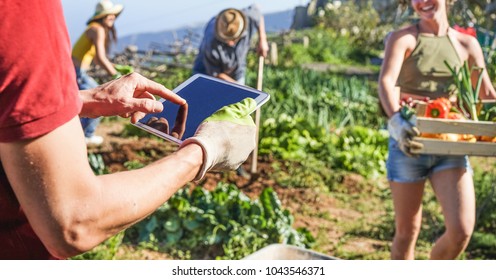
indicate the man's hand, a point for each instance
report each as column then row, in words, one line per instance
column 227, row 137
column 403, row 131
column 263, row 48
column 131, row 95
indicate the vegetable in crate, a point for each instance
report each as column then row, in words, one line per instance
column 467, row 95
column 407, row 108
column 441, row 108
column 438, row 108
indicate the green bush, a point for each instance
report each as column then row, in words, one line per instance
column 485, row 192
column 482, row 246
column 360, row 23
column 324, row 46
column 105, row 251
column 295, row 55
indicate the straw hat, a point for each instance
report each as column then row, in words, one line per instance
column 230, row 25
column 104, row 8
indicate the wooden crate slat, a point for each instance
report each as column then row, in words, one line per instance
column 431, row 125
column 441, row 147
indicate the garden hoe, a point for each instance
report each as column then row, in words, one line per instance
column 254, row 158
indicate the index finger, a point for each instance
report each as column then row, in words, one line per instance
column 155, row 88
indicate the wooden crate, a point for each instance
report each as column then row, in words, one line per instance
column 442, row 147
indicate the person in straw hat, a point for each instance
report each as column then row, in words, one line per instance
column 225, row 45
column 226, row 42
column 94, row 45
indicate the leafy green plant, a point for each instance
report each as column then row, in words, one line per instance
column 485, row 191
column 133, row 164
column 105, row 251
column 488, row 113
column 355, row 148
column 361, row 150
column 326, row 46
column 97, row 164
column 295, row 55
column 482, row 246
column 467, row 95
column 224, row 218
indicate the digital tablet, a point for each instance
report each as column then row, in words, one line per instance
column 204, row 96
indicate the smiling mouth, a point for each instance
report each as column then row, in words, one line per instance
column 427, row 8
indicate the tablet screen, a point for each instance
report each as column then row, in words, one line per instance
column 204, row 95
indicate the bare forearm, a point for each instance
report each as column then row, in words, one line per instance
column 261, row 30
column 263, row 46
column 116, row 201
column 226, row 77
column 89, row 103
column 487, row 91
column 109, row 67
column 70, row 208
column 389, row 97
column 135, row 194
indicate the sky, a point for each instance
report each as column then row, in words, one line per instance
column 159, row 15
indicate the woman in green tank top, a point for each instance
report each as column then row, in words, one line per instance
column 414, row 67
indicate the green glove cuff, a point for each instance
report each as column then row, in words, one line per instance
column 238, row 113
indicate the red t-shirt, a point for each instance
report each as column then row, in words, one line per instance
column 38, row 93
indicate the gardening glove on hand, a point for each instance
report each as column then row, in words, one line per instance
column 227, row 137
column 403, row 131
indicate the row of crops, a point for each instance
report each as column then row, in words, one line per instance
column 323, row 118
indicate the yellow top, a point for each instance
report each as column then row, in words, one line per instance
column 84, row 51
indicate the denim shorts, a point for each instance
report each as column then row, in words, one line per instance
column 404, row 169
column 84, row 81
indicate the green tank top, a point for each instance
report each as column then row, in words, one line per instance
column 424, row 72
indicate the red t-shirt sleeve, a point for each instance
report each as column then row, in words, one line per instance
column 38, row 89
column 38, row 93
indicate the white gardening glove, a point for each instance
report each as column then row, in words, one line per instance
column 403, row 131
column 227, row 137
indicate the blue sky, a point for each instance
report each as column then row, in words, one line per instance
column 158, row 15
